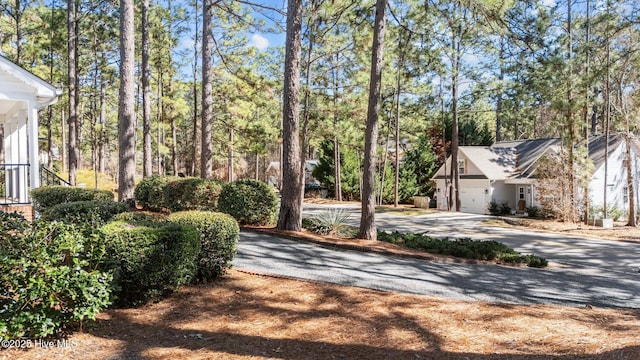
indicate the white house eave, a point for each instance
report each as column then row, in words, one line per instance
column 45, row 93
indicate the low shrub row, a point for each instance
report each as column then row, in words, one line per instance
column 248, row 201
column 149, row 192
column 149, row 259
column 54, row 275
column 464, row 248
column 79, row 212
column 192, row 194
column 219, row 234
column 158, row 193
column 152, row 254
column 48, row 196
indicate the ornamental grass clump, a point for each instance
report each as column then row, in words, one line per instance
column 329, row 222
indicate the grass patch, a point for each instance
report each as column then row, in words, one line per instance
column 495, row 222
column 463, row 248
column 403, row 211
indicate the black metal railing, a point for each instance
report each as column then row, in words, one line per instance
column 14, row 184
column 49, row 178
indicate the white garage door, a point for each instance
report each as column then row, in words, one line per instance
column 472, row 200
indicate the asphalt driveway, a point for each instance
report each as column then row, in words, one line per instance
column 594, row 272
column 572, row 251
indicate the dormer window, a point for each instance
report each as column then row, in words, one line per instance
column 462, row 168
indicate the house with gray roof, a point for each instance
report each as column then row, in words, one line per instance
column 505, row 172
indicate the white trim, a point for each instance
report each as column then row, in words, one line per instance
column 44, row 90
column 34, row 155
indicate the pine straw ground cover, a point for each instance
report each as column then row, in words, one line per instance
column 247, row 316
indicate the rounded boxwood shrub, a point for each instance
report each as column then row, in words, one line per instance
column 249, row 201
column 84, row 211
column 149, row 192
column 140, row 217
column 192, row 194
column 48, row 283
column 150, row 259
column 218, row 240
column 47, row 196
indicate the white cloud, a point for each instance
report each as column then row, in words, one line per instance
column 186, row 44
column 549, row 3
column 259, row 41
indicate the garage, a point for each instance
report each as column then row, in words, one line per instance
column 473, row 200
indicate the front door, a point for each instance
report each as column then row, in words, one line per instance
column 521, row 203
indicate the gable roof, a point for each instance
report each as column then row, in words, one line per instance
column 528, row 152
column 17, row 81
column 597, row 147
column 519, row 159
column 494, row 163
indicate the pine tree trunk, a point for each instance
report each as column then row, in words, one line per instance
column 102, row 146
column 367, row 220
column 126, row 106
column 630, row 187
column 147, row 158
column 73, row 94
column 231, row 155
column 194, row 135
column 174, row 146
column 290, row 217
column 206, row 162
column 336, row 142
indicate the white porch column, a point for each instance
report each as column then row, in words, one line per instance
column 34, row 154
column 23, row 156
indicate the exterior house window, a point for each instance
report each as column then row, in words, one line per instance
column 462, row 167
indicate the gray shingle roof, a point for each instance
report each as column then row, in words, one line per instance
column 518, row 159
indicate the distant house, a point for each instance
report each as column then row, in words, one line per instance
column 506, row 173
column 21, row 95
column 273, row 173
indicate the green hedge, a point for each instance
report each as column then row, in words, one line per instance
column 464, row 248
column 12, row 225
column 48, row 196
column 218, row 240
column 149, row 192
column 249, row 201
column 150, row 259
column 139, row 217
column 192, row 194
column 84, row 211
column 48, row 283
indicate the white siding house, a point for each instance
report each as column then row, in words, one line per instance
column 21, row 95
column 506, row 173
